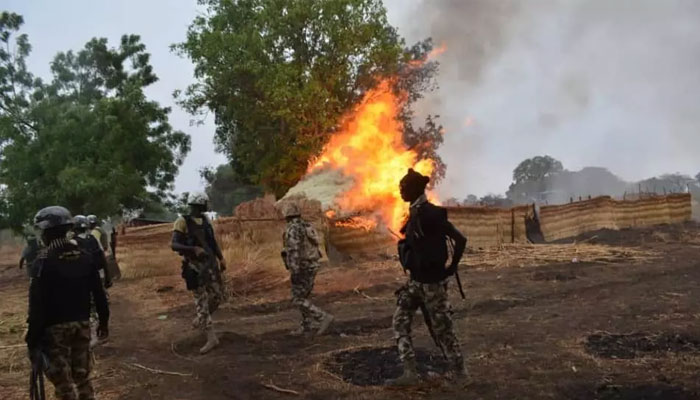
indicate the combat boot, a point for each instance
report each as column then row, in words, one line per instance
column 212, row 341
column 458, row 371
column 410, row 375
column 301, row 332
column 325, row 323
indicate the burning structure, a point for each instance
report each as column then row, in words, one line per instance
column 356, row 176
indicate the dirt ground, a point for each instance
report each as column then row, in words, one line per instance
column 598, row 328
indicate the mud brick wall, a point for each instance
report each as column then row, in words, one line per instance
column 558, row 222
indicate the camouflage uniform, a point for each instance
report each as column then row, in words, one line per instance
column 69, row 359
column 434, row 296
column 209, row 293
column 301, row 257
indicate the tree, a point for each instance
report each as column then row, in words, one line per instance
column 279, row 74
column 225, row 191
column 89, row 139
column 536, row 169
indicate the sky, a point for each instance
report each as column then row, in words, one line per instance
column 592, row 83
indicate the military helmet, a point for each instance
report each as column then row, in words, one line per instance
column 197, row 199
column 291, row 210
column 80, row 222
column 92, row 219
column 52, row 217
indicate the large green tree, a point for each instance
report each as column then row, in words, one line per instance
column 536, row 169
column 279, row 74
column 89, row 139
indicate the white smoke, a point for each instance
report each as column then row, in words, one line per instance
column 614, row 84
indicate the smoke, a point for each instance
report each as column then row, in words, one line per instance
column 613, row 84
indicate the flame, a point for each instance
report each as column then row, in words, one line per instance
column 357, row 223
column 369, row 148
column 436, row 52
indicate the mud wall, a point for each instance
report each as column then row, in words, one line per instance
column 558, row 222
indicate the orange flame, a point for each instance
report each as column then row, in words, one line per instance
column 369, row 148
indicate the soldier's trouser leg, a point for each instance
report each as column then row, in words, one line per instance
column 81, row 359
column 214, row 296
column 302, row 285
column 201, row 303
column 439, row 308
column 68, row 353
column 406, row 305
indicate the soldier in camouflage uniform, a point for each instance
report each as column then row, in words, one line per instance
column 424, row 253
column 63, row 283
column 301, row 257
column 203, row 264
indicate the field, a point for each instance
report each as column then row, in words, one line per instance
column 609, row 315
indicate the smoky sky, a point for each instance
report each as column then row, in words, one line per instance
column 609, row 83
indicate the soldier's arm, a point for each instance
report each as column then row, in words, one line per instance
column 100, row 261
column 21, row 262
column 100, row 298
column 179, row 244
column 36, row 318
column 460, row 243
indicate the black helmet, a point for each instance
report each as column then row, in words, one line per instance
column 80, row 222
column 51, row 217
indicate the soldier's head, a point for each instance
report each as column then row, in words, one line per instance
column 91, row 221
column 291, row 211
column 53, row 222
column 80, row 224
column 198, row 202
column 412, row 185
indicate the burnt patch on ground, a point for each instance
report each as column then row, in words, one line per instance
column 362, row 326
column 493, row 306
column 655, row 391
column 373, row 366
column 556, row 276
column 635, row 345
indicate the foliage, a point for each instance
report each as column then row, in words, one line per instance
column 225, row 191
column 89, row 139
column 279, row 74
column 536, row 169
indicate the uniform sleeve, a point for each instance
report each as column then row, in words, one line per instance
column 36, row 318
column 180, row 225
column 460, row 243
column 100, row 298
column 96, row 234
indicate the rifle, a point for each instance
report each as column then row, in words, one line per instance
column 36, row 378
column 459, row 281
column 429, row 324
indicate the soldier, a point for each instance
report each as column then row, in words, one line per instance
column 98, row 233
column 203, row 263
column 90, row 244
column 63, row 283
column 301, row 257
column 424, row 253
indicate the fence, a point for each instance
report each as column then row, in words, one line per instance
column 557, row 222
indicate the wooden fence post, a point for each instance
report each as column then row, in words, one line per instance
column 512, row 225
